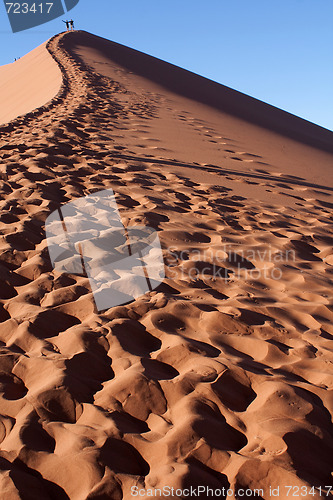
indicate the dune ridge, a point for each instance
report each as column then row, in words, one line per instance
column 222, row 376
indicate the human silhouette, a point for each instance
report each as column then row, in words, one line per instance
column 67, row 25
column 71, row 22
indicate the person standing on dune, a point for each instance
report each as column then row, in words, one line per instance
column 71, row 22
column 67, row 25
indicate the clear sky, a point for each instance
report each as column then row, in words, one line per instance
column 279, row 51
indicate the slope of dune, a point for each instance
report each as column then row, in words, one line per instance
column 28, row 83
column 222, row 376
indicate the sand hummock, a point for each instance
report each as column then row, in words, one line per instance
column 221, row 377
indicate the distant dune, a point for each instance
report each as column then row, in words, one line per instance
column 222, row 376
column 28, row 83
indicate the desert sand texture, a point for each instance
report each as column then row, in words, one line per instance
column 222, row 376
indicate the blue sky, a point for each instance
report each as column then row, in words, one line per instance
column 279, row 51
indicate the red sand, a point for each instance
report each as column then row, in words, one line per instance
column 28, row 83
column 205, row 381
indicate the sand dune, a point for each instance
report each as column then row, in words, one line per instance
column 222, row 376
column 28, row 83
